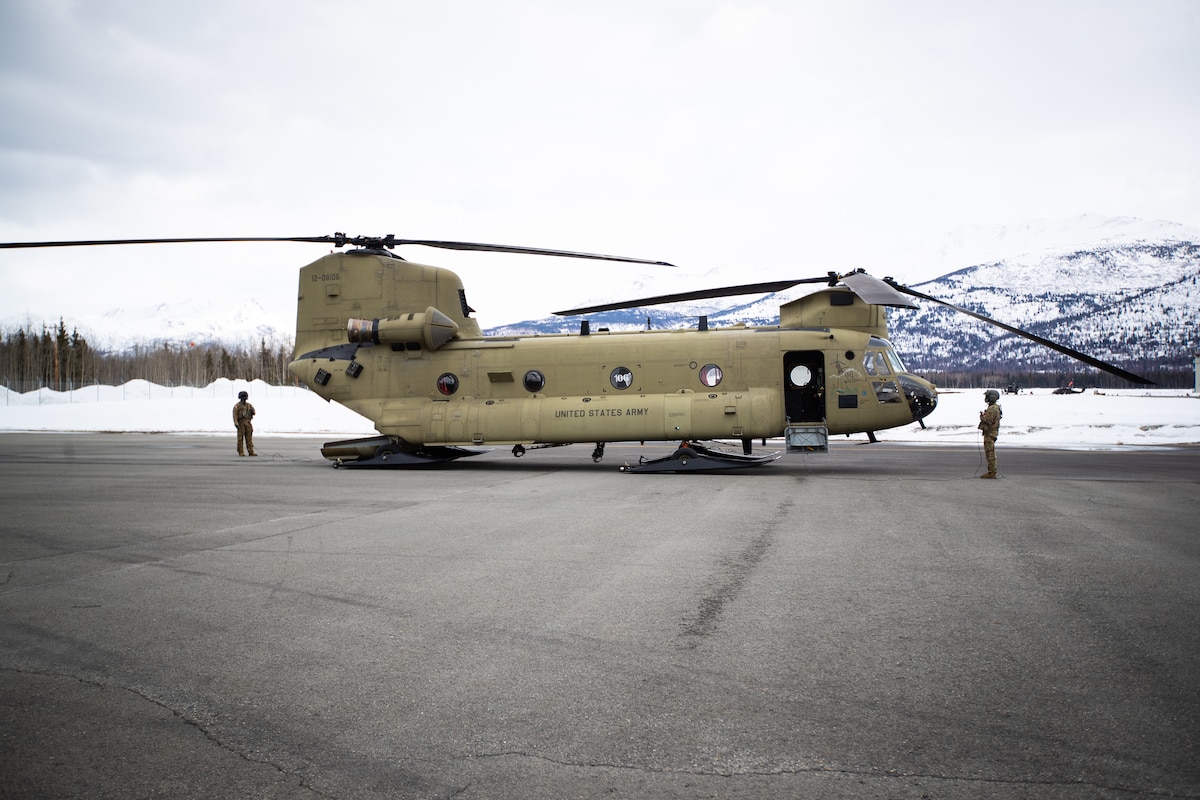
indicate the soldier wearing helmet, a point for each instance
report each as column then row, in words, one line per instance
column 243, row 413
column 989, row 423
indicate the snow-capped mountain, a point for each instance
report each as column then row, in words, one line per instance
column 1133, row 303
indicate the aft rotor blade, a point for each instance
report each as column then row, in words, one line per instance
column 1086, row 359
column 96, row 242
column 341, row 240
column 702, row 294
column 529, row 251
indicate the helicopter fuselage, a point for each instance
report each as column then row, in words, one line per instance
column 393, row 341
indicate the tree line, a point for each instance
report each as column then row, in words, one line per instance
column 999, row 377
column 54, row 358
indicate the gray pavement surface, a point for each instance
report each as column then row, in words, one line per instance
column 179, row 622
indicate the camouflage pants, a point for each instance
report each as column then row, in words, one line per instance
column 989, row 450
column 245, row 434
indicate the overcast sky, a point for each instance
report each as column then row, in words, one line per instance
column 742, row 140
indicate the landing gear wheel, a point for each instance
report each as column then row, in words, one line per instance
column 683, row 455
column 598, row 453
column 386, row 451
column 518, row 450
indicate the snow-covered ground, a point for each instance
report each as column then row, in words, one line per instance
column 1038, row 418
column 140, row 406
column 1095, row 419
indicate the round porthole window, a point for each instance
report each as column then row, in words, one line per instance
column 800, row 375
column 447, row 383
column 711, row 375
column 535, row 381
column 621, row 378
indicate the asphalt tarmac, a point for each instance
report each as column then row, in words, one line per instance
column 176, row 621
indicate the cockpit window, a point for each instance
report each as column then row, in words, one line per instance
column 875, row 363
column 887, row 392
column 881, row 359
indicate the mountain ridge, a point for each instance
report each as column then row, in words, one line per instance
column 1125, row 302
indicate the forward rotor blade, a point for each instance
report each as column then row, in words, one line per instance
column 341, row 240
column 1086, row 359
column 876, row 292
column 702, row 294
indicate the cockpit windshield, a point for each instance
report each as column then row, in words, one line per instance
column 880, row 359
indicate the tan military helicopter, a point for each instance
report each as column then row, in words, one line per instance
column 394, row 340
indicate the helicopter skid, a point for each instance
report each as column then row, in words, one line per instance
column 698, row 458
column 381, row 451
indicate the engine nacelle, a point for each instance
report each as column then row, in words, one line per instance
column 430, row 328
column 836, row 307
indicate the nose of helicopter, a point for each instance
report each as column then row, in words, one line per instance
column 920, row 394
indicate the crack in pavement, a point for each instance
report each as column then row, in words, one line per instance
column 180, row 716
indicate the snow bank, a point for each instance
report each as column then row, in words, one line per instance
column 1040, row 418
column 140, row 406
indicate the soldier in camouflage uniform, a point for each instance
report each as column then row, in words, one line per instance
column 243, row 413
column 989, row 423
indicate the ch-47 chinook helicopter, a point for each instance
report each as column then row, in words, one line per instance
column 394, row 340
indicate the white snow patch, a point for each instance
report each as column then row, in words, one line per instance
column 1095, row 419
column 140, row 406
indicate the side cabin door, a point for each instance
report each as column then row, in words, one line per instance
column 804, row 385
